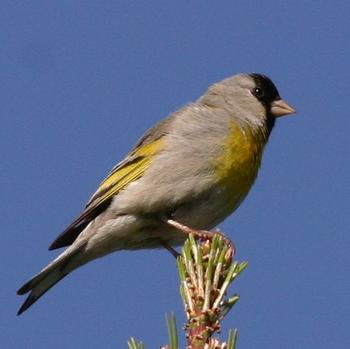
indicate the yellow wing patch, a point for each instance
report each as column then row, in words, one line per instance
column 127, row 172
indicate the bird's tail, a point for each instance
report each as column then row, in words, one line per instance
column 48, row 277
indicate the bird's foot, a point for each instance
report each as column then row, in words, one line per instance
column 202, row 235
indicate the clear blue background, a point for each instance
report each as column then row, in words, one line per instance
column 79, row 83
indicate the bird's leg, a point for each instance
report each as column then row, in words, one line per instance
column 170, row 249
column 201, row 234
column 184, row 228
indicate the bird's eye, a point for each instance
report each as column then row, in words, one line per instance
column 258, row 92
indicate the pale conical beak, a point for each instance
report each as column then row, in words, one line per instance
column 280, row 108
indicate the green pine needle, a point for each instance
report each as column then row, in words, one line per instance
column 172, row 331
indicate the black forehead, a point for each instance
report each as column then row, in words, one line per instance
column 262, row 81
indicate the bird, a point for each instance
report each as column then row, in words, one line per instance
column 192, row 169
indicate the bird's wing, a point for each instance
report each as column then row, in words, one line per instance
column 134, row 164
column 124, row 173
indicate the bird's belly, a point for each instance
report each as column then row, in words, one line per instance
column 211, row 209
column 136, row 231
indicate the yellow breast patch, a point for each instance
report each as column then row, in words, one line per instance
column 239, row 163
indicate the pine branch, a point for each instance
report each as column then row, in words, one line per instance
column 206, row 269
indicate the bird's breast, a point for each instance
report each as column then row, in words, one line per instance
column 238, row 165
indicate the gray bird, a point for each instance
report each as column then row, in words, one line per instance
column 192, row 169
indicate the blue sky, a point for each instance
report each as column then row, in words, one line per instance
column 82, row 80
